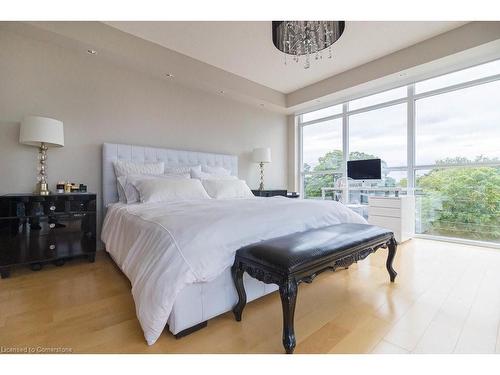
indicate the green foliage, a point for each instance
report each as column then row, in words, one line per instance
column 461, row 201
column 331, row 161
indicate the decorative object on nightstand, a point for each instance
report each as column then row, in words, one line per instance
column 37, row 229
column 274, row 193
column 42, row 132
column 261, row 155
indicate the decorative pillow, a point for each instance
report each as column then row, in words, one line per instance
column 227, row 189
column 207, row 176
column 129, row 191
column 125, row 167
column 182, row 169
column 121, row 192
column 216, row 171
column 170, row 190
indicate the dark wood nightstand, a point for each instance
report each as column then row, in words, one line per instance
column 36, row 230
column 273, row 193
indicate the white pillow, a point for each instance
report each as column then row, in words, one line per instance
column 227, row 189
column 170, row 190
column 129, row 191
column 125, row 167
column 216, row 171
column 182, row 169
column 121, row 192
column 207, row 176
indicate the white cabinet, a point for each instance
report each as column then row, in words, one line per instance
column 394, row 213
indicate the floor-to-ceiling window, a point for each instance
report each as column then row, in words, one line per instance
column 438, row 139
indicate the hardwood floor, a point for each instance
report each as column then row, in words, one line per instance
column 446, row 299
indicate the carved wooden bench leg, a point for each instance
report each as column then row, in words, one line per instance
column 237, row 274
column 392, row 246
column 288, row 294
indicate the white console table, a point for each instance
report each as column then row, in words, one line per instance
column 394, row 213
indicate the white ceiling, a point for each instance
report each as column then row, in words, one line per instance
column 246, row 48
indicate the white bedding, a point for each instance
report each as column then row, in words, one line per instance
column 163, row 247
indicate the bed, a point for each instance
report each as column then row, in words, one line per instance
column 178, row 255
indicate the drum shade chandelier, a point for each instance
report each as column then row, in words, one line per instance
column 309, row 38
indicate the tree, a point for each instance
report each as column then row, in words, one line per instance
column 331, row 161
column 461, row 201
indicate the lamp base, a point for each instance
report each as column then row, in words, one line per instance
column 261, row 186
column 42, row 189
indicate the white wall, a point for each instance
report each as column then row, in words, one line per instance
column 99, row 101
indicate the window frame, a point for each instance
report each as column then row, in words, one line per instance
column 411, row 167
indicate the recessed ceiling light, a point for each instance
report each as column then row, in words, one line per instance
column 92, row 52
column 168, row 75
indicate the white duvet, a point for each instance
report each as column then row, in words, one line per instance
column 163, row 247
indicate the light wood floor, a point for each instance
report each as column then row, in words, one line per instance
column 446, row 299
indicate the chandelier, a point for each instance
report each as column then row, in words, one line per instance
column 299, row 38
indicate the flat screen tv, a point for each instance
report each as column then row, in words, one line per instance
column 364, row 169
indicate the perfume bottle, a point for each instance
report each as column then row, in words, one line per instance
column 67, row 187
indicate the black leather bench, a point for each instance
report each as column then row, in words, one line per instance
column 300, row 257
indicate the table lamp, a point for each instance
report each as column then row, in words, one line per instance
column 261, row 155
column 43, row 133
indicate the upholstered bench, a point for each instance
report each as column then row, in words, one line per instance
column 299, row 257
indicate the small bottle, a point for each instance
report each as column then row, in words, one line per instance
column 60, row 187
column 67, row 187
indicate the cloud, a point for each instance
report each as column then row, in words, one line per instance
column 460, row 123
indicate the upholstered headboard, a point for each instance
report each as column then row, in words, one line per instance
column 112, row 152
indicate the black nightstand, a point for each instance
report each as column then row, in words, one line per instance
column 36, row 230
column 273, row 193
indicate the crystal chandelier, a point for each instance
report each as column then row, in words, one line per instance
column 299, row 38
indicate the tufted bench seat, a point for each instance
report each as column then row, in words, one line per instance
column 299, row 257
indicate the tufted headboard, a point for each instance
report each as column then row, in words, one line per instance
column 172, row 158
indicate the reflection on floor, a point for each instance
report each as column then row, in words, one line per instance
column 446, row 299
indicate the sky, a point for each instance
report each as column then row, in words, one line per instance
column 459, row 123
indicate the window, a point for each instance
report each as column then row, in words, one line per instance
column 322, row 156
column 459, row 125
column 456, row 132
column 319, row 140
column 454, row 136
column 465, row 75
column 379, row 134
column 381, row 97
column 322, row 113
column 459, row 202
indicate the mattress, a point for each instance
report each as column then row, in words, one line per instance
column 177, row 255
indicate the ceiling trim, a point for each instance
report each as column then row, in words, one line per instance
column 471, row 43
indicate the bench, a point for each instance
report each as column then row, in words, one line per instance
column 300, row 257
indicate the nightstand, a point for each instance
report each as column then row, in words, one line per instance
column 273, row 193
column 36, row 230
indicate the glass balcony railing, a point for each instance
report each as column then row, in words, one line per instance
column 459, row 202
column 454, row 201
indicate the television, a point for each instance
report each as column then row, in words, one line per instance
column 364, row 169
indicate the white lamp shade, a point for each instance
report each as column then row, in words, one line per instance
column 261, row 155
column 35, row 130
